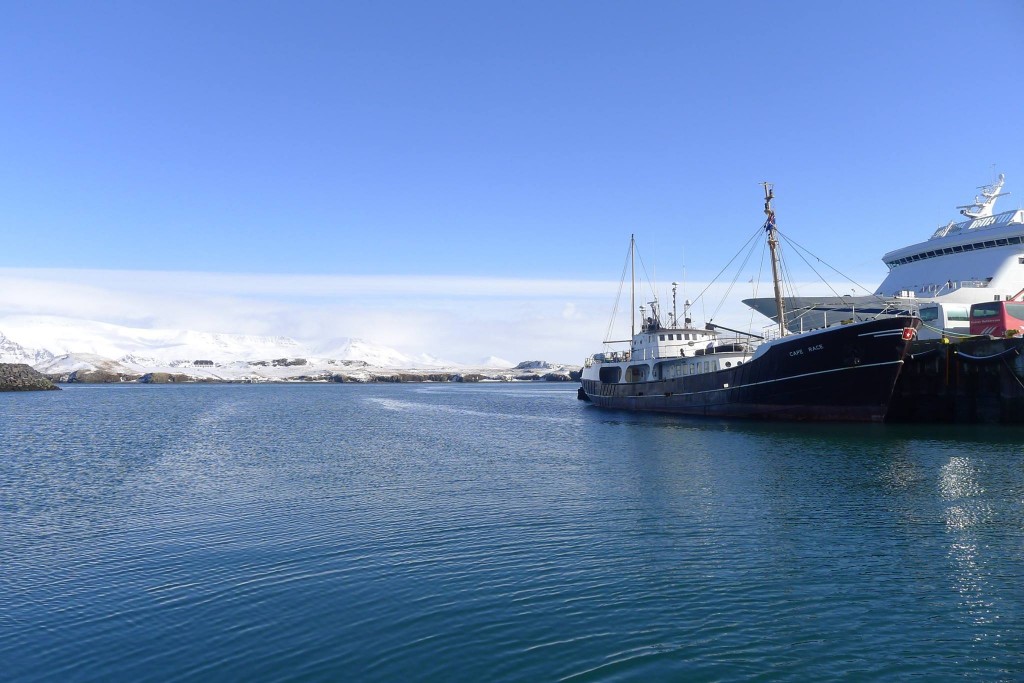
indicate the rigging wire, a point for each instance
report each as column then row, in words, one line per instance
column 757, row 282
column 736, row 277
column 800, row 247
column 647, row 278
column 800, row 252
column 618, row 298
column 724, row 268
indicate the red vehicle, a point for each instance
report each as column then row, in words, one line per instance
column 996, row 318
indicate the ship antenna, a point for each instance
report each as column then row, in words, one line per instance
column 773, row 246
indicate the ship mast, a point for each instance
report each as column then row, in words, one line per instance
column 773, row 246
column 632, row 286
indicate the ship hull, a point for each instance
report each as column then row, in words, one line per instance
column 844, row 373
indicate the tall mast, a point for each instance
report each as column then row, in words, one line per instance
column 632, row 286
column 773, row 246
column 675, row 316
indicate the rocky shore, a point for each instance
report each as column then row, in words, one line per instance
column 20, row 377
column 299, row 370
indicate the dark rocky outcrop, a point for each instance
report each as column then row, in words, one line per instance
column 557, row 377
column 279, row 362
column 533, row 365
column 94, row 377
column 21, row 377
column 164, row 378
column 400, row 377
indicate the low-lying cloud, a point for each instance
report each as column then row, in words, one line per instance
column 460, row 319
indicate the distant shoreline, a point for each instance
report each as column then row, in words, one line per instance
column 376, row 376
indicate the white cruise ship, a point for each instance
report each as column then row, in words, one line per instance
column 962, row 263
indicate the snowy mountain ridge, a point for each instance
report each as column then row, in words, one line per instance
column 13, row 352
column 51, row 342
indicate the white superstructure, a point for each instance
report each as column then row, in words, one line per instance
column 966, row 262
column 979, row 259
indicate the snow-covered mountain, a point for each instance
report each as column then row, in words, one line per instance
column 13, row 352
column 61, row 336
column 71, row 362
column 58, row 344
column 495, row 362
column 374, row 354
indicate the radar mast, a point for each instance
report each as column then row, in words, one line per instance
column 985, row 202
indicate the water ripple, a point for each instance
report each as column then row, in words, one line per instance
column 494, row 533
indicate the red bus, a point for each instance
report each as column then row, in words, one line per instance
column 996, row 318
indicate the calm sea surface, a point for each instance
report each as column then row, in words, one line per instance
column 495, row 532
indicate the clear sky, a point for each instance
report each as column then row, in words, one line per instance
column 466, row 152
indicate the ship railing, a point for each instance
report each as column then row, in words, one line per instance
column 735, row 341
column 608, row 357
column 798, row 314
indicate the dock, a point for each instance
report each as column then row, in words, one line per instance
column 975, row 380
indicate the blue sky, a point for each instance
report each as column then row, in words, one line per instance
column 484, row 140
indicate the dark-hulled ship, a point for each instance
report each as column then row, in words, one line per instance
column 843, row 373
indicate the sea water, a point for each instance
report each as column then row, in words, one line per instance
column 498, row 532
